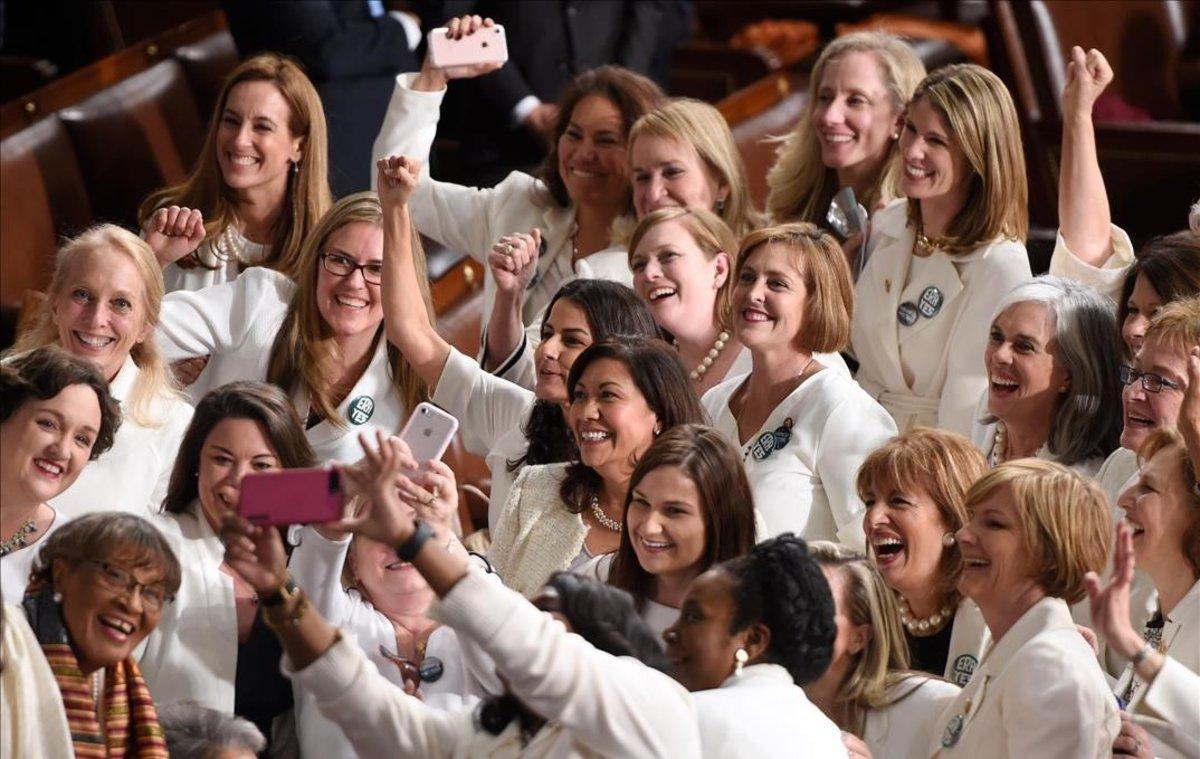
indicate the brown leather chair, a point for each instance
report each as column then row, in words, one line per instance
column 766, row 109
column 206, row 64
column 44, row 198
column 134, row 137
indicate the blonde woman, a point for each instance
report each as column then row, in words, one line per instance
column 321, row 338
column 914, row 487
column 258, row 187
column 1035, row 530
column 849, row 133
column 940, row 262
column 103, row 305
column 868, row 690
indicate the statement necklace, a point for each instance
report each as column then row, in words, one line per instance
column 19, row 539
column 999, row 446
column 706, row 362
column 604, row 519
column 229, row 245
column 928, row 625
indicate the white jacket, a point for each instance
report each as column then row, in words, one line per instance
column 536, row 535
column 236, row 323
column 1038, row 692
column 761, row 714
column 804, row 479
column 1109, row 277
column 227, row 269
column 904, row 728
column 944, row 352
column 969, row 639
column 472, row 220
column 33, row 720
column 599, row 704
column 133, row 475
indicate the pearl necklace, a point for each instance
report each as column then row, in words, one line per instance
column 604, row 519
column 999, row 446
column 19, row 538
column 928, row 625
column 228, row 247
column 713, row 352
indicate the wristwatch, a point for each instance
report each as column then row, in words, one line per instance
column 280, row 595
column 407, row 551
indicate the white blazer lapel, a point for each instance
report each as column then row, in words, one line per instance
column 930, row 297
column 877, row 302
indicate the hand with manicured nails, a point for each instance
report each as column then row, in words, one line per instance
column 397, row 179
column 513, row 260
column 432, row 79
column 255, row 552
column 1087, row 76
column 375, row 477
column 174, row 232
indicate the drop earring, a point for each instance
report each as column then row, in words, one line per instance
column 740, row 657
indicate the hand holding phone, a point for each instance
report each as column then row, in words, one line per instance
column 291, row 496
column 427, row 434
column 476, row 52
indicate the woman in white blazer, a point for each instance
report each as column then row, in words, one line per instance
column 868, row 689
column 802, row 430
column 914, row 487
column 507, row 424
column 624, row 393
column 102, row 305
column 582, row 188
column 1161, row 535
column 1036, row 528
column 1052, row 392
column 750, row 633
column 321, row 338
column 56, row 415
column 210, row 645
column 597, row 695
column 258, row 188
column 941, row 260
column 688, row 508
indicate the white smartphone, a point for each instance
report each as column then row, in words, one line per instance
column 428, row 433
column 486, row 45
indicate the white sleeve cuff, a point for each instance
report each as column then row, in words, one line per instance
column 524, row 107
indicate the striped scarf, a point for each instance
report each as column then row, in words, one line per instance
column 130, row 723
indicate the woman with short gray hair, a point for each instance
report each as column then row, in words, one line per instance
column 1053, row 391
column 197, row 732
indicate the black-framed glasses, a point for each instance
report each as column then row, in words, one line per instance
column 1151, row 383
column 115, row 578
column 344, row 266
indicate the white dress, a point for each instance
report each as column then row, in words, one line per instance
column 763, row 714
column 15, row 566
column 133, row 475
column 236, row 323
column 803, row 462
column 226, row 268
column 931, row 371
column 470, row 220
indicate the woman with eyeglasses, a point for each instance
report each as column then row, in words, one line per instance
column 321, row 337
column 99, row 587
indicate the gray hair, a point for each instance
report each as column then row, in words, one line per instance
column 1087, row 423
column 197, row 732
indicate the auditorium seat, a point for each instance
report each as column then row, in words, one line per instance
column 44, row 199
column 206, row 64
column 134, row 137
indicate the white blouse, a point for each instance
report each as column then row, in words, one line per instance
column 658, row 617
column 133, row 475
column 236, row 324
column 226, row 267
column 803, row 462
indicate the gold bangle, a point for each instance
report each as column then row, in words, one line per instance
column 292, row 618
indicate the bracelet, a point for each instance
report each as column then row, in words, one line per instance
column 292, row 619
column 280, row 595
column 1142, row 655
column 407, row 551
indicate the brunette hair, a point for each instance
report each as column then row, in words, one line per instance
column 256, row 401
column 801, row 186
column 611, row 309
column 101, row 536
column 305, row 349
column 43, row 373
column 829, row 305
column 1170, row 264
column 978, row 111
column 633, row 94
column 307, row 194
column 659, row 377
column 726, row 503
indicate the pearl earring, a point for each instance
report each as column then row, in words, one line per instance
column 740, row 657
column 948, row 539
column 57, row 597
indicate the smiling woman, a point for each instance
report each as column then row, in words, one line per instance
column 99, row 587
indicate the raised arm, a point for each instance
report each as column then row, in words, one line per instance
column 1083, row 212
column 513, row 260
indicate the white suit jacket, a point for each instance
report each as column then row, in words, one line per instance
column 904, row 727
column 1038, row 692
column 945, row 350
column 470, row 219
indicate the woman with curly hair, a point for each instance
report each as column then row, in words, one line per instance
column 751, row 632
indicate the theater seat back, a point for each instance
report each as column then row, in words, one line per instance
column 206, row 64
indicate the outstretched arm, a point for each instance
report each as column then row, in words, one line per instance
column 1083, row 212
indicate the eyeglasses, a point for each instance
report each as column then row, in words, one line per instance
column 115, row 578
column 342, row 266
column 1151, row 383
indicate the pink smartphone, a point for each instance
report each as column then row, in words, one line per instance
column 487, row 45
column 291, row 496
column 428, row 433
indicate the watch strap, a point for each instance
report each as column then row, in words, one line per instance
column 407, row 551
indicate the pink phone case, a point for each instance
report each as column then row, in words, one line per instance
column 291, row 496
column 428, row 433
column 487, row 45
